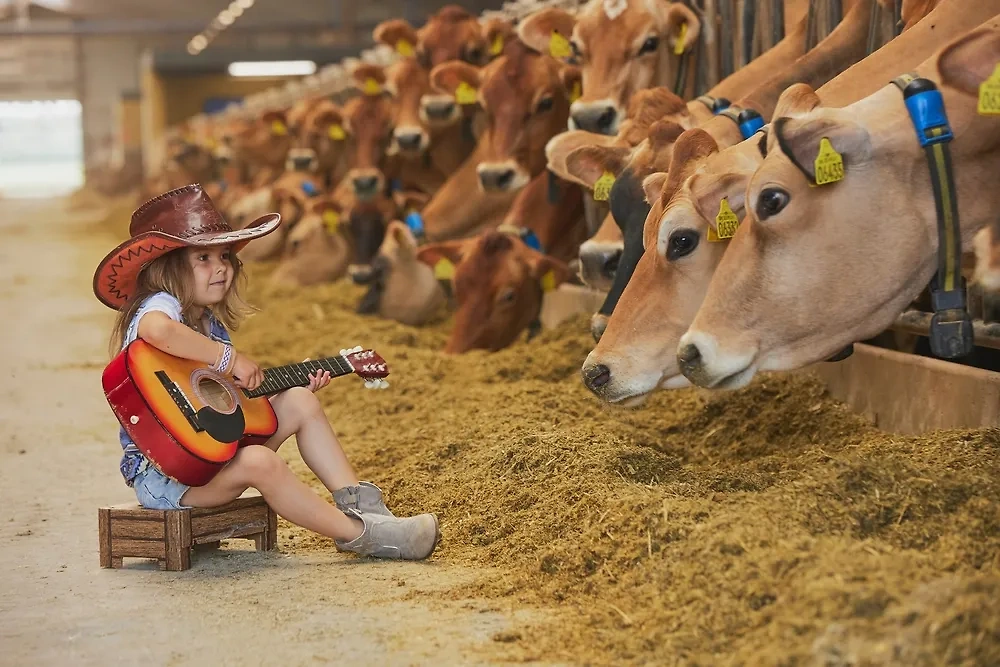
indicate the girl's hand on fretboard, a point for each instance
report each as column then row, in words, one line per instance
column 318, row 380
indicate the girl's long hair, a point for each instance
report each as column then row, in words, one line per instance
column 171, row 273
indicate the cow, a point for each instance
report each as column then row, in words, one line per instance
column 368, row 127
column 805, row 285
column 318, row 142
column 525, row 97
column 318, row 249
column 289, row 195
column 638, row 351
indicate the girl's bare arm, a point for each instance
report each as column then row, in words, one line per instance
column 174, row 338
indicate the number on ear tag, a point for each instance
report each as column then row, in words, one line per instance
column 681, row 40
column 989, row 95
column 444, row 269
column 496, row 47
column 559, row 46
column 336, row 132
column 576, row 92
column 549, row 281
column 278, row 128
column 726, row 222
column 331, row 220
column 829, row 164
column 404, row 48
column 602, row 187
column 372, row 87
column 465, row 94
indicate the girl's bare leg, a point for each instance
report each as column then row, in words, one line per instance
column 301, row 414
column 262, row 468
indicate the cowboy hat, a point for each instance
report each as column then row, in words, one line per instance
column 176, row 219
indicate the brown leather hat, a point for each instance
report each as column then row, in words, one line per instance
column 176, row 219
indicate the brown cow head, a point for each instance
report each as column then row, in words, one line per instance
column 368, row 122
column 498, row 284
column 318, row 249
column 526, row 99
column 408, row 82
column 319, row 139
column 621, row 46
column 263, row 142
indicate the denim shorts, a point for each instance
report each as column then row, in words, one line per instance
column 156, row 491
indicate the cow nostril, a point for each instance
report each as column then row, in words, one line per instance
column 408, row 141
column 610, row 267
column 607, row 118
column 365, row 183
column 597, row 376
column 441, row 110
column 689, row 356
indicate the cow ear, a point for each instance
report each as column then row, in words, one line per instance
column 970, row 60
column 796, row 100
column 537, row 29
column 549, row 271
column 498, row 34
column 708, row 191
column 402, row 237
column 277, row 121
column 652, row 186
column 561, row 145
column 679, row 22
column 799, row 139
column 432, row 253
column 572, row 81
column 397, row 34
column 589, row 163
column 410, row 200
column 369, row 79
column 328, row 117
column 448, row 76
column 323, row 205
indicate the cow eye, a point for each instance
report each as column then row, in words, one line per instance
column 681, row 242
column 650, row 45
column 473, row 54
column 544, row 104
column 507, row 296
column 423, row 59
column 771, row 202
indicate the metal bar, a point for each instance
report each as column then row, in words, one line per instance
column 778, row 21
column 150, row 26
column 726, row 38
column 986, row 334
column 749, row 22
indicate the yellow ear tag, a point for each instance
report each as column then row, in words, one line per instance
column 278, row 128
column 989, row 94
column 549, row 281
column 829, row 164
column 576, row 92
column 465, row 94
column 336, row 132
column 331, row 220
column 602, row 187
column 372, row 87
column 559, row 46
column 681, row 40
column 726, row 222
column 404, row 48
column 496, row 47
column 444, row 269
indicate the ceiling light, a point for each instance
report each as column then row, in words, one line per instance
column 193, row 50
column 235, row 10
column 245, row 4
column 225, row 18
column 273, row 68
column 199, row 42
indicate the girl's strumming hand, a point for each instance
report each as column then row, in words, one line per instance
column 318, row 380
column 246, row 372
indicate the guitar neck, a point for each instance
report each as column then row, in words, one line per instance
column 280, row 378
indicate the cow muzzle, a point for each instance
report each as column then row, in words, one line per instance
column 439, row 110
column 411, row 140
column 599, row 263
column 600, row 117
column 367, row 183
column 703, row 361
column 506, row 176
column 301, row 159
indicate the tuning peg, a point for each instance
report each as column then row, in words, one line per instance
column 383, row 384
column 343, row 353
column 371, row 384
column 355, row 349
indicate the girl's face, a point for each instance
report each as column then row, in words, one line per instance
column 212, row 272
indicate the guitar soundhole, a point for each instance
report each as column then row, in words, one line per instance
column 215, row 394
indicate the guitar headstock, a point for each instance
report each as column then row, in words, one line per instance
column 368, row 365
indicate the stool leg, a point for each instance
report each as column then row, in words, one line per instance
column 178, row 538
column 272, row 530
column 104, row 532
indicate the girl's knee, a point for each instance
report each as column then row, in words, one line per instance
column 257, row 462
column 304, row 403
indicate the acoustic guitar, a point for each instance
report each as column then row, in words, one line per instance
column 189, row 420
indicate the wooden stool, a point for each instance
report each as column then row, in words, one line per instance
column 131, row 531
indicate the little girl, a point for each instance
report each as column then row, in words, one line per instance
column 175, row 285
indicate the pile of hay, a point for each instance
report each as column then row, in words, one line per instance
column 768, row 526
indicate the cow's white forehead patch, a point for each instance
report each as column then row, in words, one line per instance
column 614, row 8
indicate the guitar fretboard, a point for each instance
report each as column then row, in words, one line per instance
column 280, row 378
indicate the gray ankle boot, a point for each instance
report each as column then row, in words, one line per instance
column 365, row 498
column 413, row 538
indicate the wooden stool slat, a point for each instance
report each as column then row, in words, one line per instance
column 131, row 531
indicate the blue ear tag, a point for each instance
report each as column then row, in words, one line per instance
column 309, row 189
column 926, row 107
column 720, row 105
column 415, row 223
column 530, row 239
column 750, row 121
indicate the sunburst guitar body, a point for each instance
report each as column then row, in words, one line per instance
column 189, row 420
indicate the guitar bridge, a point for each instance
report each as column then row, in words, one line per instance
column 182, row 402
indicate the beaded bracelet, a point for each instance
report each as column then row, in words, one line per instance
column 223, row 364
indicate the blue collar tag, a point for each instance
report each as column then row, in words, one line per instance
column 750, row 121
column 531, row 239
column 415, row 223
column 926, row 108
column 309, row 189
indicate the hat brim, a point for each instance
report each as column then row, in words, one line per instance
column 114, row 280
